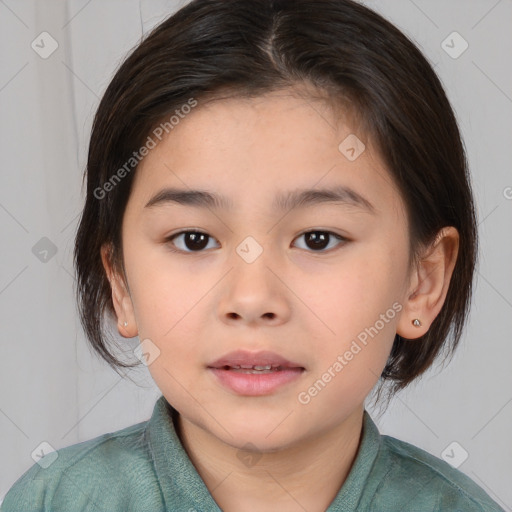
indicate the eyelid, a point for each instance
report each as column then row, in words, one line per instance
column 342, row 239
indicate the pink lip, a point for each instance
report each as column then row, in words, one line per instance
column 243, row 357
column 251, row 384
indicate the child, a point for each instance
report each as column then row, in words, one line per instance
column 279, row 207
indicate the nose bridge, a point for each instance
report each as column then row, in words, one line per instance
column 253, row 248
column 251, row 259
column 255, row 231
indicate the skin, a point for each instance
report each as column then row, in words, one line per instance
column 197, row 306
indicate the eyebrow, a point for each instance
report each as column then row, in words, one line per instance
column 299, row 198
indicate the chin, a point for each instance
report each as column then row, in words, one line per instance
column 269, row 435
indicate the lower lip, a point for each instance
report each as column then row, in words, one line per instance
column 253, row 384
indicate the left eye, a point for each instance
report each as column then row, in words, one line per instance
column 196, row 241
column 319, row 239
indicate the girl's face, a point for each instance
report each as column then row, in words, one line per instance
column 265, row 274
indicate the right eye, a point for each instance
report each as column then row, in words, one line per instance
column 192, row 241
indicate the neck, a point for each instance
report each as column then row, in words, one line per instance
column 304, row 476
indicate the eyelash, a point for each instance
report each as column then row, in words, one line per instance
column 169, row 240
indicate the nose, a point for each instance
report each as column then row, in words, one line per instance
column 254, row 294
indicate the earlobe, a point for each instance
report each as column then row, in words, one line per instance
column 429, row 285
column 121, row 299
column 126, row 324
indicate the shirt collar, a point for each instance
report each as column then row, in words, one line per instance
column 182, row 487
column 358, row 479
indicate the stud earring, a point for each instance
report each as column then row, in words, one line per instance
column 125, row 324
column 416, row 322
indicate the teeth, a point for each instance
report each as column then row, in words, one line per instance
column 248, row 368
column 253, row 367
column 245, row 370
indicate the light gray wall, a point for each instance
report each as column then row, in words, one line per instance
column 54, row 390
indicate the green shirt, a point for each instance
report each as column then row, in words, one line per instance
column 144, row 468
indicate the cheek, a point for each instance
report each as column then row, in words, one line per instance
column 171, row 309
column 351, row 361
column 351, row 297
column 354, row 319
column 162, row 293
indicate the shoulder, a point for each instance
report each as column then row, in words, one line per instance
column 104, row 471
column 426, row 482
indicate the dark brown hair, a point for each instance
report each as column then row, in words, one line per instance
column 341, row 49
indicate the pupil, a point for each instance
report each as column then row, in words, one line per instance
column 319, row 241
column 198, row 240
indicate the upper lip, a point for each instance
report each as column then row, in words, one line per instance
column 263, row 358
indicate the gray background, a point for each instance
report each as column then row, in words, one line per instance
column 53, row 389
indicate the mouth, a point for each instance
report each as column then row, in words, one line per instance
column 258, row 361
column 255, row 369
column 254, row 374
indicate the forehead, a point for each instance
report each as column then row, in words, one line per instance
column 258, row 149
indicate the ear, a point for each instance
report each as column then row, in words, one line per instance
column 120, row 296
column 429, row 284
